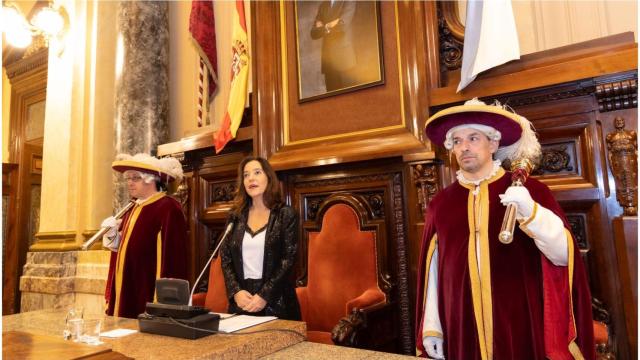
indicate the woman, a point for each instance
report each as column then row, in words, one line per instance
column 258, row 257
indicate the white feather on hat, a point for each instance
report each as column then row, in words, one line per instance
column 167, row 168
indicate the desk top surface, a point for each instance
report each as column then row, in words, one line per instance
column 272, row 345
column 150, row 346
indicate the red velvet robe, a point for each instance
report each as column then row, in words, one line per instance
column 153, row 245
column 533, row 309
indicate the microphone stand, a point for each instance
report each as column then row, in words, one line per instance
column 215, row 251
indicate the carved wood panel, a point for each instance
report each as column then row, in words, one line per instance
column 210, row 183
column 574, row 167
column 557, row 159
column 28, row 77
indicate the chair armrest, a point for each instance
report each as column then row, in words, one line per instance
column 198, row 299
column 368, row 298
column 370, row 312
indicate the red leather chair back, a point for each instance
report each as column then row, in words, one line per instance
column 341, row 267
column 216, row 299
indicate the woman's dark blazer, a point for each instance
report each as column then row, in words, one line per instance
column 281, row 246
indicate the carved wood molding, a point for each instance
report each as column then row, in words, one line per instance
column 406, row 333
column 374, row 198
column 223, row 191
column 617, row 95
column 612, row 93
column 548, row 94
column 554, row 160
column 619, row 62
column 182, row 194
column 425, row 177
column 346, row 330
column 27, row 64
column 579, row 230
column 600, row 313
column 622, row 146
column 343, row 180
column 451, row 36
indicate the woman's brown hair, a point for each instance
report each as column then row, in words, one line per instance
column 272, row 195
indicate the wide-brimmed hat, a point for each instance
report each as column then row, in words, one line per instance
column 474, row 112
column 167, row 169
column 518, row 138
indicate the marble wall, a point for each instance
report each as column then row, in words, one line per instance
column 142, row 84
column 60, row 280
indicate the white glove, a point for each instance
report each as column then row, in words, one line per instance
column 521, row 197
column 433, row 345
column 111, row 240
column 112, row 224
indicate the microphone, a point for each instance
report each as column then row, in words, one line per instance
column 215, row 251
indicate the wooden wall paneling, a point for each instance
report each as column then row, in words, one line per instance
column 544, row 69
column 412, row 44
column 275, row 99
column 190, row 208
column 625, row 232
column 9, row 237
column 267, row 76
column 582, row 188
column 422, row 180
column 28, row 79
column 432, row 62
column 215, row 185
column 626, row 241
column 381, row 185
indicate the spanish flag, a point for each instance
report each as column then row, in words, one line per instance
column 239, row 79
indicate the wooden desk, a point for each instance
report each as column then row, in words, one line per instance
column 50, row 323
column 270, row 345
column 24, row 345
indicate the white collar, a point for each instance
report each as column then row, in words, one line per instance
column 496, row 167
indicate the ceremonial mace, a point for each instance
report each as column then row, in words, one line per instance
column 87, row 244
column 524, row 155
column 520, row 172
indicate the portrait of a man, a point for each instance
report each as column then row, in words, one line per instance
column 338, row 47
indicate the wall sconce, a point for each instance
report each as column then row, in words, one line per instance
column 49, row 22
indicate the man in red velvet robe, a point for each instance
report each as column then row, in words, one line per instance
column 477, row 297
column 150, row 241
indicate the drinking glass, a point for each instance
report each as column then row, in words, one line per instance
column 73, row 323
column 91, row 331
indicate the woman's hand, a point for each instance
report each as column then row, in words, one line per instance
column 243, row 298
column 256, row 304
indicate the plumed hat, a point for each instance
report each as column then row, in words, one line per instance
column 167, row 168
column 518, row 139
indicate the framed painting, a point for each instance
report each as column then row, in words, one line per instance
column 338, row 47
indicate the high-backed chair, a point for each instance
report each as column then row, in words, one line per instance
column 601, row 331
column 342, row 288
column 215, row 299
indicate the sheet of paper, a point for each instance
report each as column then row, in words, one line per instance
column 116, row 333
column 231, row 322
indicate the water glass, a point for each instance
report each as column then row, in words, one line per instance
column 91, row 332
column 73, row 323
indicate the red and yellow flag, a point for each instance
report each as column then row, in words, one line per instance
column 239, row 80
column 202, row 27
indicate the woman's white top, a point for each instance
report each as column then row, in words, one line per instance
column 253, row 254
